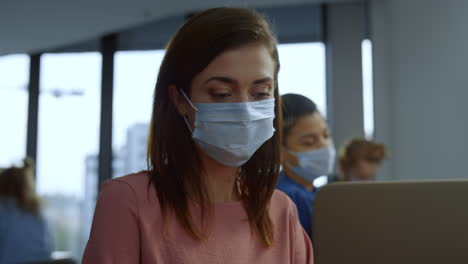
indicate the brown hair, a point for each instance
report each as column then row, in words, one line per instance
column 361, row 149
column 295, row 106
column 18, row 183
column 174, row 167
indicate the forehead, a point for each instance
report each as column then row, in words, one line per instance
column 365, row 164
column 249, row 61
column 309, row 124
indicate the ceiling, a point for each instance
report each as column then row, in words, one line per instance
column 29, row 26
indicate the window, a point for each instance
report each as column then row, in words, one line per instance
column 303, row 71
column 368, row 89
column 14, row 78
column 135, row 78
column 69, row 107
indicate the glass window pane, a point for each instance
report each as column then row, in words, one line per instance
column 14, row 80
column 135, row 78
column 303, row 71
column 69, row 107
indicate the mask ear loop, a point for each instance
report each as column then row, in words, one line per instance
column 188, row 100
column 291, row 153
column 192, row 105
column 187, row 123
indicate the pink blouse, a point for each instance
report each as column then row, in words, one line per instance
column 128, row 228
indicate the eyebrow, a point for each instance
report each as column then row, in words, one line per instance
column 232, row 81
column 221, row 79
column 264, row 80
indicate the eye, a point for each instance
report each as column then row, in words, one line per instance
column 221, row 95
column 262, row 95
column 308, row 143
column 262, row 92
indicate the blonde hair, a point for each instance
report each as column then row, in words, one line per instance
column 361, row 149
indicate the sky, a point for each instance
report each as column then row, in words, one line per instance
column 69, row 124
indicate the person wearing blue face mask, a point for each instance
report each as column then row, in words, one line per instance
column 208, row 195
column 307, row 153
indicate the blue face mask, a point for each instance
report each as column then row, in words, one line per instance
column 316, row 163
column 231, row 132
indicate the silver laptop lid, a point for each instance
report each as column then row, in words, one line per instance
column 394, row 222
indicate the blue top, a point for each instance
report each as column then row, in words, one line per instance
column 303, row 199
column 23, row 236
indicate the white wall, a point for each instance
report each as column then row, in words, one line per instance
column 345, row 32
column 420, row 82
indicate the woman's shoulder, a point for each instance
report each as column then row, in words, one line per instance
column 136, row 180
column 7, row 205
column 7, row 201
column 10, row 206
column 135, row 184
column 281, row 203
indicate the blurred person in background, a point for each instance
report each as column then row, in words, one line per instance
column 360, row 159
column 208, row 195
column 24, row 235
column 307, row 153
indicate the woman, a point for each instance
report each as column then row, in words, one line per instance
column 308, row 153
column 360, row 159
column 24, row 236
column 213, row 153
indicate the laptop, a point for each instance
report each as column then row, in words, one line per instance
column 391, row 222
